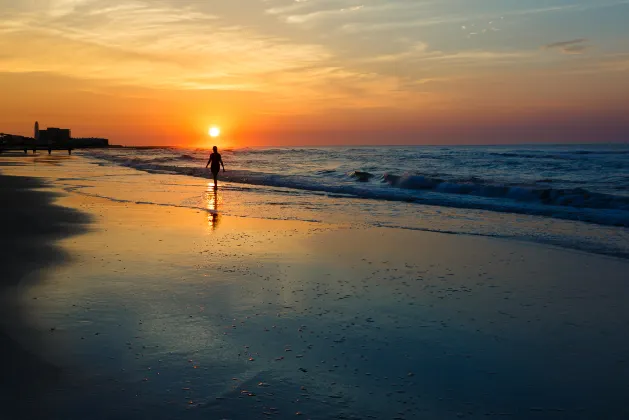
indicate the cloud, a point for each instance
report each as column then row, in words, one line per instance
column 478, row 56
column 610, row 63
column 148, row 44
column 305, row 13
column 177, row 46
column 65, row 7
column 420, row 52
column 573, row 46
column 417, row 50
column 424, row 17
column 307, row 17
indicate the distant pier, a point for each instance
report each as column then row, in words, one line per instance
column 49, row 139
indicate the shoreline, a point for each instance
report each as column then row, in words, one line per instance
column 615, row 219
column 31, row 224
column 601, row 231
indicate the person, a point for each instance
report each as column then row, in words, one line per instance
column 216, row 162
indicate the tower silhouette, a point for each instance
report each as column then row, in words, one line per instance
column 36, row 130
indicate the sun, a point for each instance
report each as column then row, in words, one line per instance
column 214, row 132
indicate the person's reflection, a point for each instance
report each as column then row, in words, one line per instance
column 213, row 199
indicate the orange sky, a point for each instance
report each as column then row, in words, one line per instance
column 316, row 72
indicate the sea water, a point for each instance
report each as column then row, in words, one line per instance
column 569, row 195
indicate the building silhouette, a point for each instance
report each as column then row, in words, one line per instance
column 56, row 137
column 51, row 138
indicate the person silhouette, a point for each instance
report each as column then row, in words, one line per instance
column 216, row 161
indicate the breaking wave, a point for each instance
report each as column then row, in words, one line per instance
column 576, row 197
column 471, row 192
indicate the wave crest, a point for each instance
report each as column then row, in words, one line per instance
column 472, row 192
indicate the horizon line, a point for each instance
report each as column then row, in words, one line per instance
column 609, row 143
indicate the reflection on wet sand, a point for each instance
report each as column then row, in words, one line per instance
column 213, row 201
column 51, row 160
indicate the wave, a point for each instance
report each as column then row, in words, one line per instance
column 567, row 155
column 160, row 159
column 558, row 240
column 361, row 176
column 139, row 161
column 280, row 151
column 575, row 197
column 471, row 192
column 600, row 152
column 528, row 156
column 187, row 157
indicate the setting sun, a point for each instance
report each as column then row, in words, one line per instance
column 215, row 132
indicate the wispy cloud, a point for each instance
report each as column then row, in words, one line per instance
column 307, row 17
column 158, row 45
column 135, row 42
column 307, row 12
column 610, row 63
column 479, row 56
column 573, row 46
column 419, row 52
column 433, row 18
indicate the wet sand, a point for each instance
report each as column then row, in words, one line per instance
column 30, row 224
column 165, row 312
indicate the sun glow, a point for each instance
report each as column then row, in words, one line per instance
column 214, row 132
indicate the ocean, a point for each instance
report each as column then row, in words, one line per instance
column 575, row 196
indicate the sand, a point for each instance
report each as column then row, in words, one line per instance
column 31, row 223
column 161, row 312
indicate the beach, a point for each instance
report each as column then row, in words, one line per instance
column 31, row 224
column 134, row 295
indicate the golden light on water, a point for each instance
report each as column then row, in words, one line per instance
column 214, row 132
column 214, row 198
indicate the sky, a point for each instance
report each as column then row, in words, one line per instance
column 317, row 72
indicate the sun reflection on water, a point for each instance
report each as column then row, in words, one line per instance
column 214, row 199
